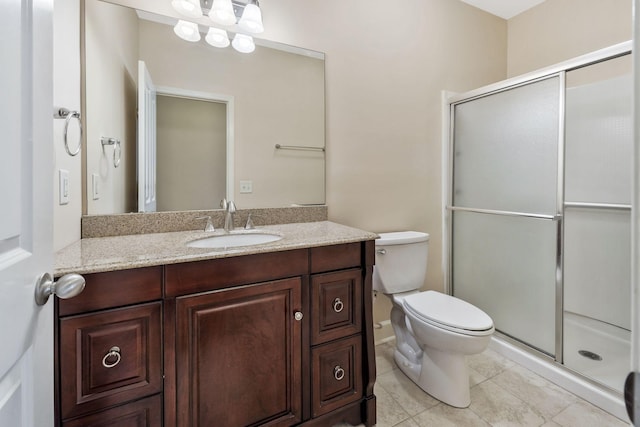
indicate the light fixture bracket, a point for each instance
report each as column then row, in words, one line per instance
column 238, row 6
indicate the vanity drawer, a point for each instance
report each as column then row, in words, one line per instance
column 114, row 289
column 204, row 276
column 109, row 357
column 335, row 257
column 336, row 305
column 337, row 374
column 141, row 413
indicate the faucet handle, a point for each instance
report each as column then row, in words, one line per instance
column 209, row 226
column 249, row 225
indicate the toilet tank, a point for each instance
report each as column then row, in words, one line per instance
column 401, row 261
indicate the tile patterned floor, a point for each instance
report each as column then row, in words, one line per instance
column 502, row 394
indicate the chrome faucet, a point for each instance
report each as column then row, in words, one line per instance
column 228, row 218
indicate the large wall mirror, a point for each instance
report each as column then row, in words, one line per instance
column 218, row 116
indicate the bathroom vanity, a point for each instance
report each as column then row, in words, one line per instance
column 273, row 334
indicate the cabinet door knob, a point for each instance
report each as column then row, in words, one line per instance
column 338, row 373
column 338, row 305
column 298, row 315
column 114, row 353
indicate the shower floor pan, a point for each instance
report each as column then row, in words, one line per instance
column 605, row 349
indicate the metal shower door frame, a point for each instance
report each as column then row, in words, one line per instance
column 449, row 105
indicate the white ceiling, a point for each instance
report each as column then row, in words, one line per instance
column 506, row 9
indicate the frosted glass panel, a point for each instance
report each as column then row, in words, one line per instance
column 599, row 141
column 597, row 265
column 506, row 266
column 506, row 149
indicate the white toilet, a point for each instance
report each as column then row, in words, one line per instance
column 434, row 332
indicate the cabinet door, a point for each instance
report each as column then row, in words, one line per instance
column 238, row 356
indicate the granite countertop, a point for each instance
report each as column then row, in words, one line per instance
column 100, row 254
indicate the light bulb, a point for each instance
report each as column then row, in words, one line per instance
column 222, row 12
column 243, row 43
column 187, row 31
column 251, row 19
column 190, row 8
column 217, row 37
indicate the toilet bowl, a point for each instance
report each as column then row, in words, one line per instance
column 434, row 331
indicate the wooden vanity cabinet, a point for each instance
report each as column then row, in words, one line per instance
column 272, row 339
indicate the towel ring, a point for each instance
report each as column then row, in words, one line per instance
column 117, row 149
column 64, row 113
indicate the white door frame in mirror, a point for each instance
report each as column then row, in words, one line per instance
column 228, row 100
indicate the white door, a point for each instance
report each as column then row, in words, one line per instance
column 146, row 140
column 26, row 169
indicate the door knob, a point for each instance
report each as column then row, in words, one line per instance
column 631, row 386
column 68, row 286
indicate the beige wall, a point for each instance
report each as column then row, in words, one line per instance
column 558, row 30
column 386, row 68
column 112, row 69
column 191, row 153
column 66, row 93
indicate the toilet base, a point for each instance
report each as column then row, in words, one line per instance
column 443, row 375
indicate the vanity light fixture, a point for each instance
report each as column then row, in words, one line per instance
column 243, row 43
column 246, row 13
column 222, row 12
column 251, row 19
column 190, row 8
column 217, row 37
column 187, row 31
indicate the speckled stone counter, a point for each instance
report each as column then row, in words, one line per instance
column 93, row 255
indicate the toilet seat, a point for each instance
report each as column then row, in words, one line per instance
column 447, row 312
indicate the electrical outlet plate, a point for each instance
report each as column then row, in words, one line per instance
column 246, row 187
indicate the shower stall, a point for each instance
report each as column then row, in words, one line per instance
column 539, row 211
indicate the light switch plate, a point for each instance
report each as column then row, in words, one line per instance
column 95, row 186
column 63, row 187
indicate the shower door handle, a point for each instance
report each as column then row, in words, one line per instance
column 555, row 217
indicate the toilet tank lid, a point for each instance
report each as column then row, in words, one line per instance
column 401, row 238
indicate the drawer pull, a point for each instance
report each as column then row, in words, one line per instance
column 338, row 373
column 114, row 352
column 338, row 305
column 298, row 316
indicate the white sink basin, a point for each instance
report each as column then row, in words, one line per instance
column 234, row 240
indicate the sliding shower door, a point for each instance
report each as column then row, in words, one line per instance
column 506, row 205
column 597, row 237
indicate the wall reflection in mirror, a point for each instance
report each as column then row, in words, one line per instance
column 216, row 116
